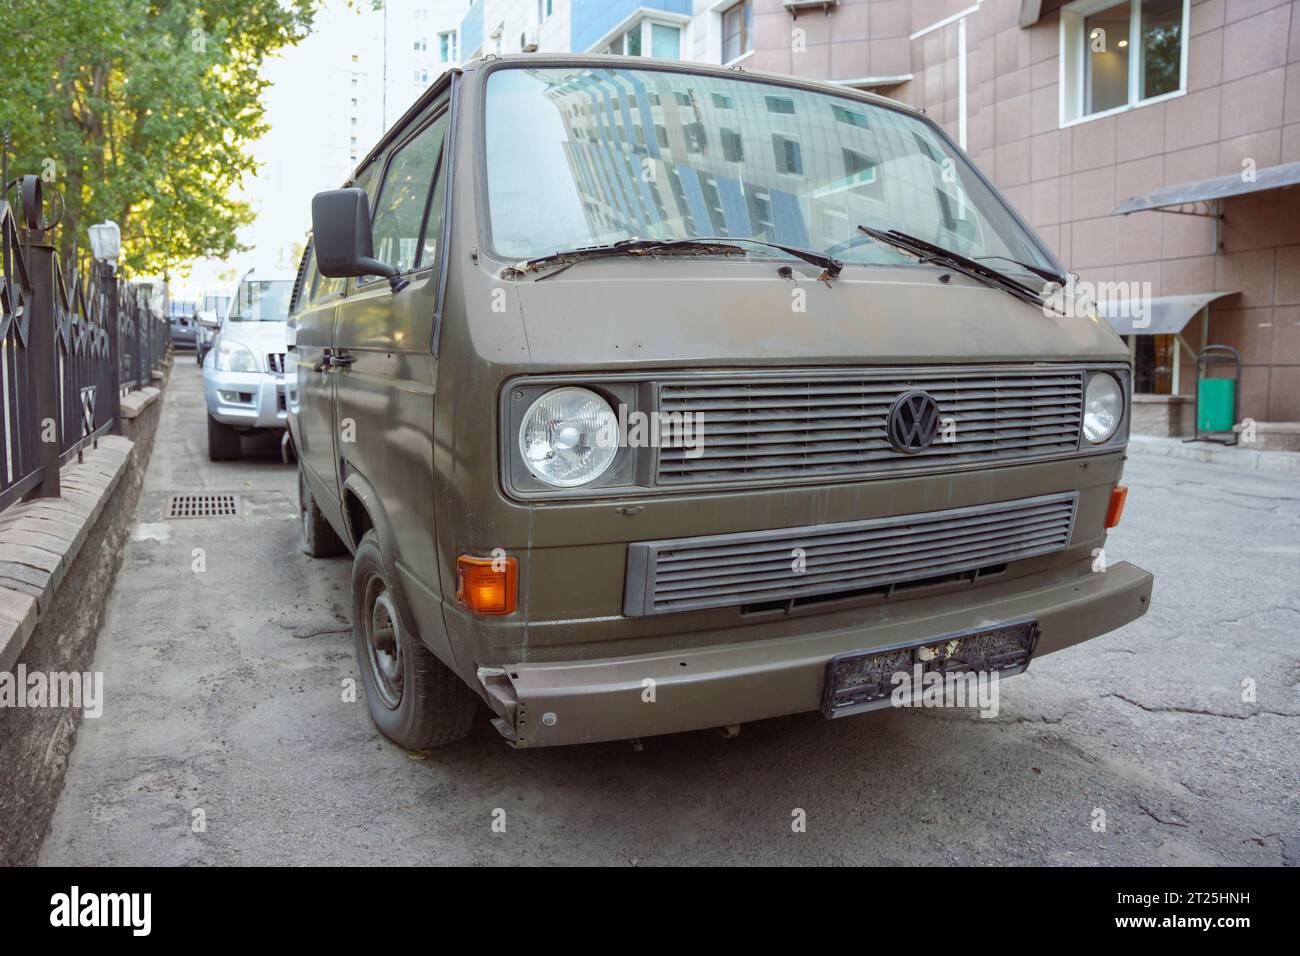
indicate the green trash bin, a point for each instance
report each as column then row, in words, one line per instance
column 1217, row 398
column 1216, row 403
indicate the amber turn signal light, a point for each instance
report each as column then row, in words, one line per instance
column 487, row 585
column 1118, row 495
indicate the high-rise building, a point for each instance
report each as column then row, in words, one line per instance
column 421, row 39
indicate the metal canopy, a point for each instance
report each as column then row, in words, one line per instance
column 1208, row 190
column 1163, row 315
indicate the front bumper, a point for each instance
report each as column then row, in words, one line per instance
column 245, row 399
column 544, row 704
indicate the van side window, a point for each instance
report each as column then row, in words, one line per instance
column 398, row 221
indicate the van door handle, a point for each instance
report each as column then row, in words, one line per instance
column 341, row 360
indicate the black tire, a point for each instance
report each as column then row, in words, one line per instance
column 223, row 442
column 315, row 536
column 415, row 700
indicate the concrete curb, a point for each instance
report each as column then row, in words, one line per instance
column 1233, row 456
column 133, row 403
column 52, row 628
column 39, row 540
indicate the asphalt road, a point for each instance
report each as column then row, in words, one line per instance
column 224, row 696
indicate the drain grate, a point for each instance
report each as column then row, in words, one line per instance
column 203, row 506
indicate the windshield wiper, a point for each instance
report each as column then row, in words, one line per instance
column 929, row 252
column 830, row 266
column 1047, row 275
column 697, row 245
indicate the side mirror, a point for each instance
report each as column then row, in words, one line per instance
column 340, row 225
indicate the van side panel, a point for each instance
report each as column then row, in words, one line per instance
column 385, row 402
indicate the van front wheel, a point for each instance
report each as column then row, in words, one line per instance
column 415, row 700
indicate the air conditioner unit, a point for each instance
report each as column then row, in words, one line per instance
column 528, row 41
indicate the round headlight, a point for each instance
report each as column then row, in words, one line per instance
column 1103, row 407
column 569, row 437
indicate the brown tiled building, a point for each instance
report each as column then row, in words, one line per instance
column 1077, row 109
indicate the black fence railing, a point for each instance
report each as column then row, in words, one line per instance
column 72, row 341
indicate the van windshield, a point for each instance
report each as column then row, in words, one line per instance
column 585, row 156
column 262, row 301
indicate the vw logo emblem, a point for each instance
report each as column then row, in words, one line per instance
column 913, row 421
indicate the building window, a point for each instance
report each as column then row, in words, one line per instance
column 662, row 40
column 713, row 202
column 733, row 147
column 665, row 42
column 789, row 158
column 852, row 117
column 723, row 102
column 859, row 168
column 422, row 45
column 760, row 214
column 679, row 197
column 627, row 44
column 1153, row 365
column 780, row 104
column 544, row 10
column 696, row 142
column 737, row 31
column 1115, row 56
column 447, row 47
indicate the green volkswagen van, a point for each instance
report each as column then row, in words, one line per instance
column 653, row 396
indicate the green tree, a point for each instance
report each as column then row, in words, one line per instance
column 142, row 110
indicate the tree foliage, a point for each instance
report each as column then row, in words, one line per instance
column 146, row 109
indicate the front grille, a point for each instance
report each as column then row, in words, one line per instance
column 813, row 427
column 755, row 567
column 275, row 362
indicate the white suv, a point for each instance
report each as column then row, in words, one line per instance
column 243, row 372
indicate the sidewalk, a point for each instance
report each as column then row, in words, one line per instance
column 1235, row 456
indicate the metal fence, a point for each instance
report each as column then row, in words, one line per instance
column 72, row 341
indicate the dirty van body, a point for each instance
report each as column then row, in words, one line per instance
column 901, row 458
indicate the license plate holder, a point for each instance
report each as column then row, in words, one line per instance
column 859, row 681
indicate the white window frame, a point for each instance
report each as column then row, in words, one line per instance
column 641, row 20
column 453, row 46
column 1073, row 65
column 722, row 10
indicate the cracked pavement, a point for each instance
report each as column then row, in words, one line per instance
column 223, row 695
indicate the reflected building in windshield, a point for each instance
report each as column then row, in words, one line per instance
column 657, row 154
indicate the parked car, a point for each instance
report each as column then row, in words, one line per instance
column 243, row 372
column 881, row 448
column 184, row 323
column 210, row 315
